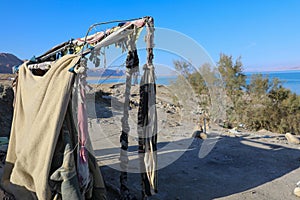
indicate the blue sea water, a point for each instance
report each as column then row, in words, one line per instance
column 291, row 79
column 162, row 80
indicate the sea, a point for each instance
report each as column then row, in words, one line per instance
column 162, row 80
column 290, row 79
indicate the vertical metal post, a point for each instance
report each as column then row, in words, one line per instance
column 204, row 124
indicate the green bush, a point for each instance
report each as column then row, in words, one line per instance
column 262, row 104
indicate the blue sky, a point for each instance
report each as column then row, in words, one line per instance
column 265, row 33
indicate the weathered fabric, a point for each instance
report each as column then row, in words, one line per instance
column 132, row 64
column 91, row 39
column 67, row 175
column 63, row 173
column 82, row 125
column 40, row 108
column 147, row 131
column 111, row 36
column 147, row 119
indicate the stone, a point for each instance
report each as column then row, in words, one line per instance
column 234, row 130
column 203, row 136
column 297, row 191
column 292, row 138
column 196, row 134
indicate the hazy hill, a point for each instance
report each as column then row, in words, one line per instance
column 7, row 61
column 105, row 72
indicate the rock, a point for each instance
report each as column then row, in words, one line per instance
column 6, row 109
column 230, row 134
column 297, row 191
column 170, row 112
column 234, row 130
column 196, row 134
column 262, row 131
column 117, row 91
column 173, row 124
column 203, row 136
column 199, row 134
column 292, row 139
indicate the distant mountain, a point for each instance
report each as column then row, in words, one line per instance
column 295, row 68
column 7, row 61
column 105, row 72
column 274, row 69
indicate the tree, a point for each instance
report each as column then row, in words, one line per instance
column 185, row 68
column 235, row 84
column 192, row 76
column 263, row 103
column 259, row 85
column 234, row 79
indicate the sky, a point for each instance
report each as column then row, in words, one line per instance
column 264, row 33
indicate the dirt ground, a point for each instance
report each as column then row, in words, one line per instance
column 230, row 164
column 236, row 168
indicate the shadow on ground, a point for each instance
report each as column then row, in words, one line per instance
column 234, row 165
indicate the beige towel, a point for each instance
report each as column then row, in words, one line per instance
column 40, row 107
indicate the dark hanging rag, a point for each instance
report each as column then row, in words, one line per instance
column 147, row 131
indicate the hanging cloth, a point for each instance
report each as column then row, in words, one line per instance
column 147, row 121
column 40, row 107
column 132, row 65
column 147, row 131
column 82, row 125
